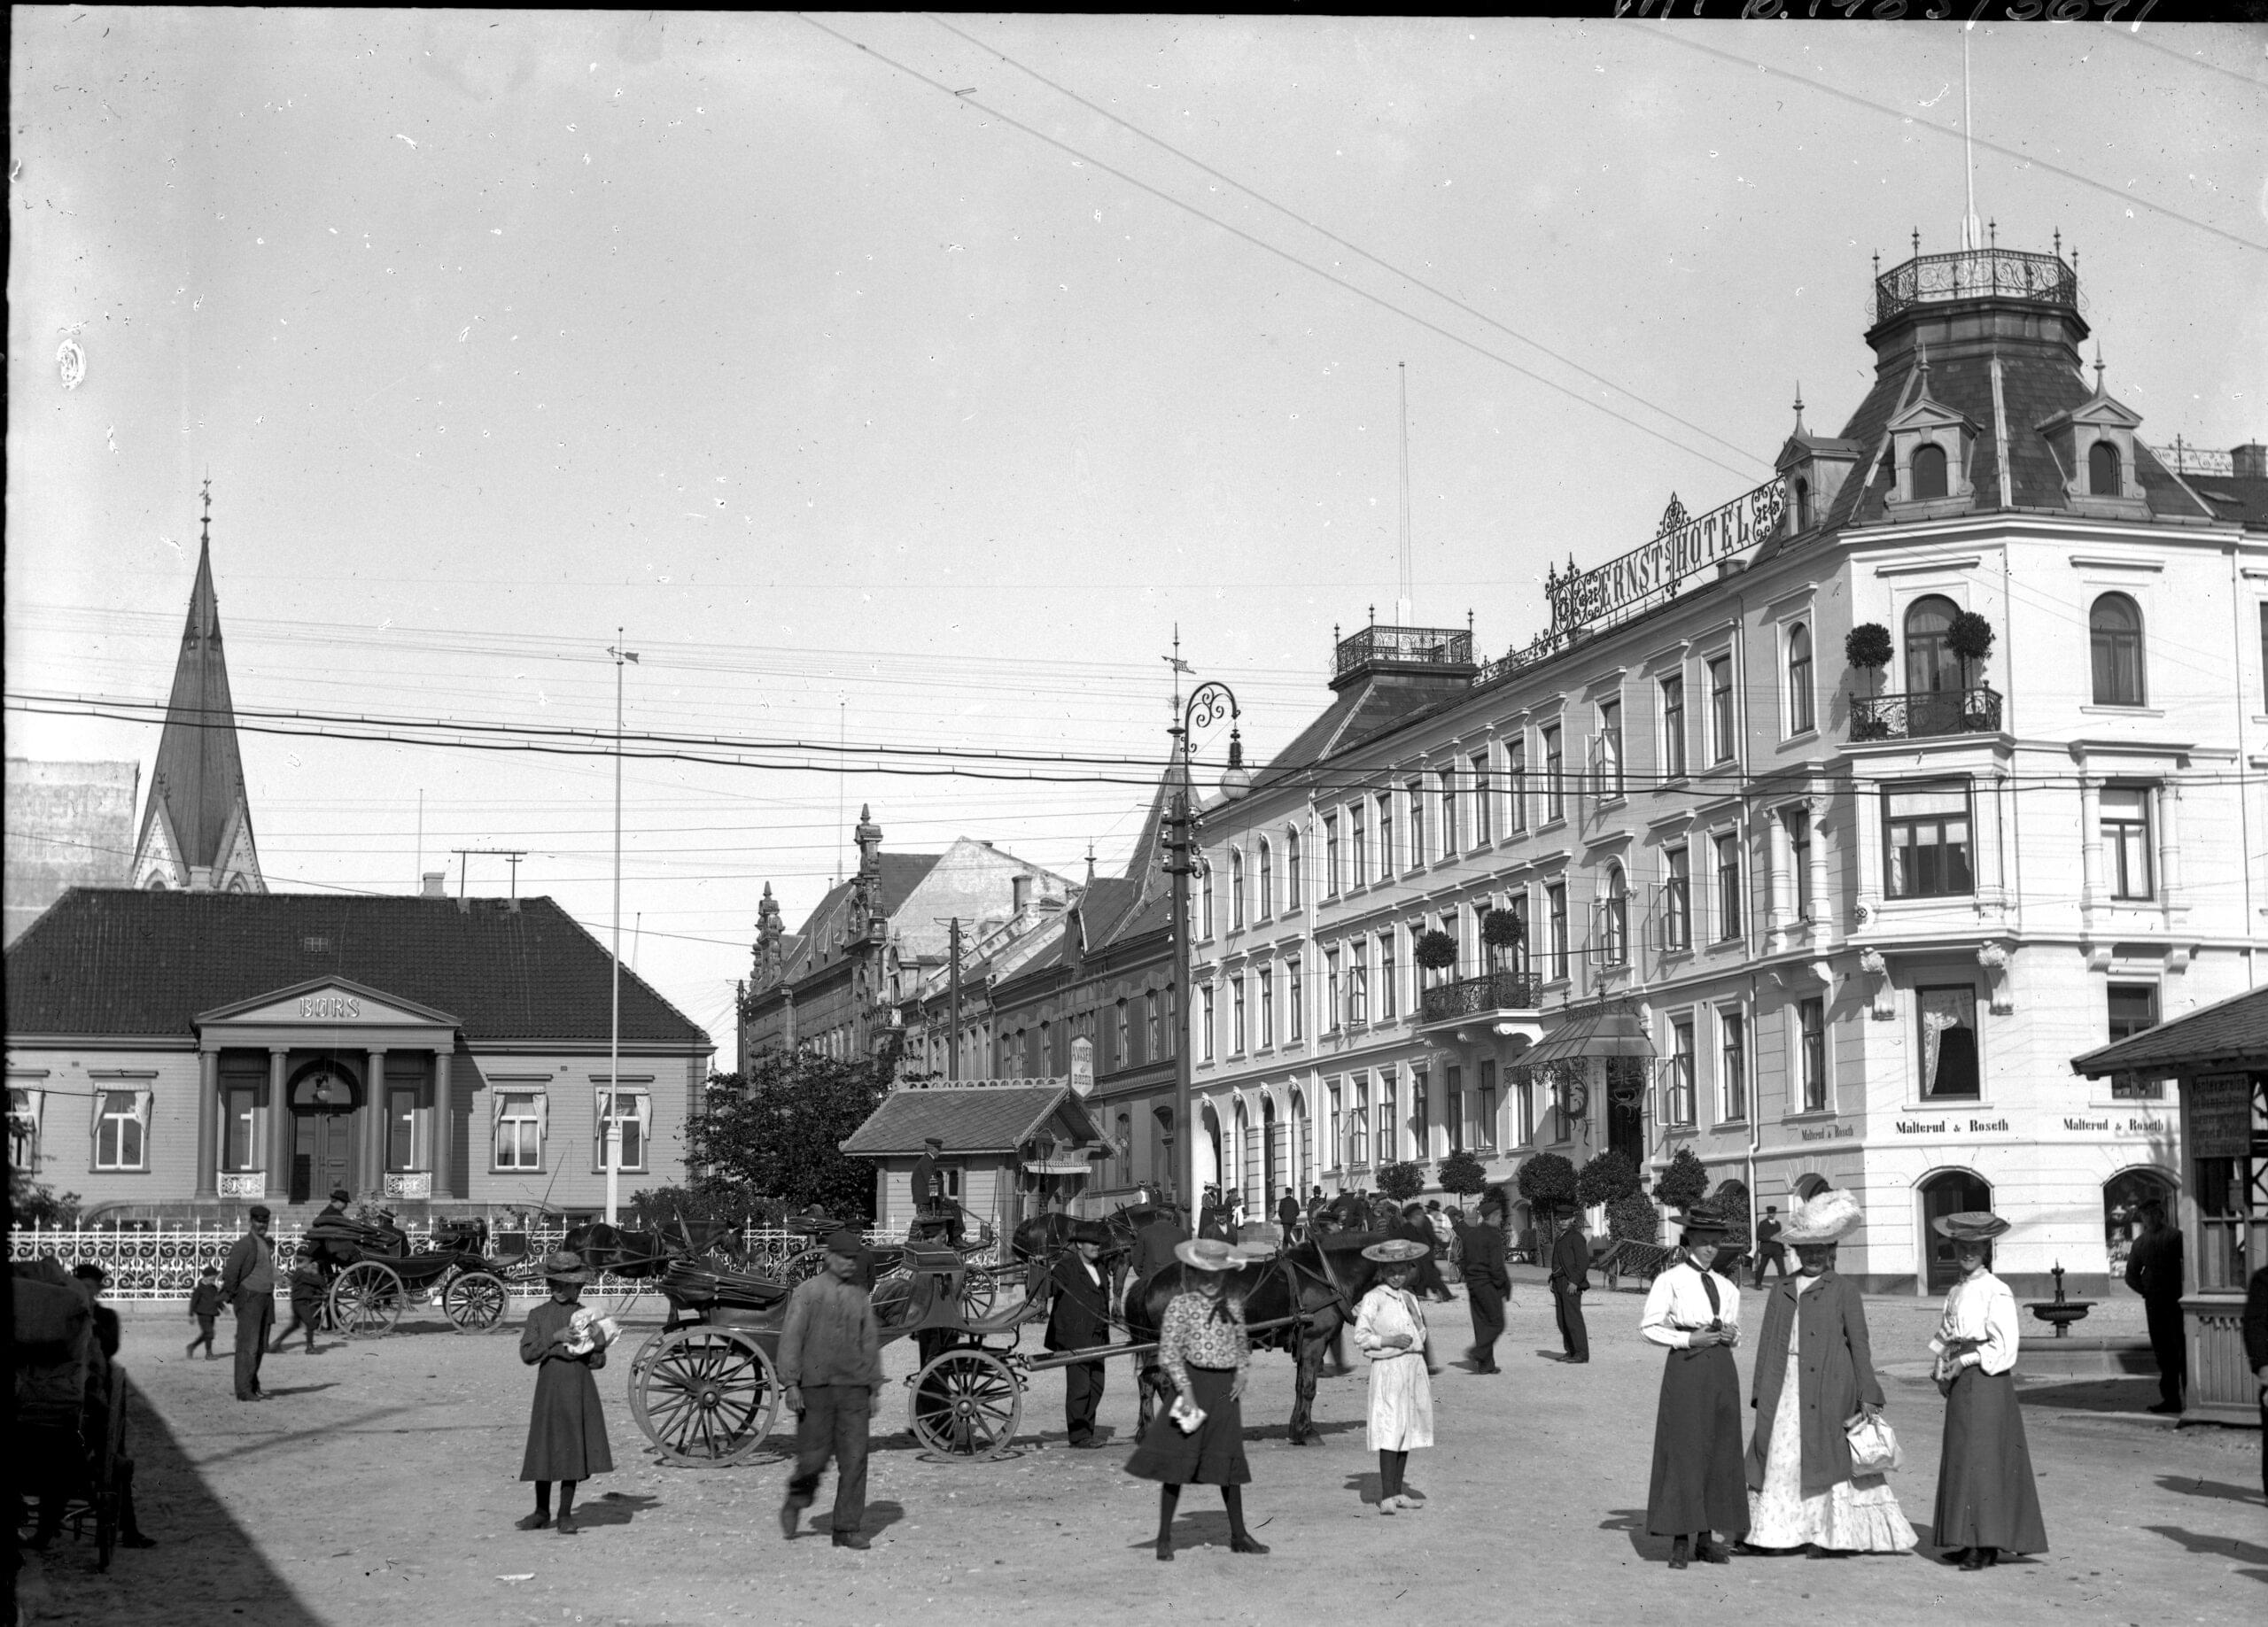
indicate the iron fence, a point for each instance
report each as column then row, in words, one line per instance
column 1976, row 274
column 1498, row 991
column 1919, row 715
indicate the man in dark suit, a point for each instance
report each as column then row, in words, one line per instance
column 1154, row 1243
column 1769, row 1249
column 1287, row 1216
column 248, row 1283
column 2154, row 1271
column 1080, row 1320
column 2256, row 1354
column 1487, row 1282
column 1570, row 1273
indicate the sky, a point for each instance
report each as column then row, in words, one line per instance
column 899, row 385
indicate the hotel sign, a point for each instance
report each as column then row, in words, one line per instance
column 1684, row 547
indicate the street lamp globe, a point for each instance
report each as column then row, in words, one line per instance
column 1237, row 781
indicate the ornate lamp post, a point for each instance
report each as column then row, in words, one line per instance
column 1205, row 708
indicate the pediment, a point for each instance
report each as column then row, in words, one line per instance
column 2098, row 411
column 1927, row 414
column 328, row 1003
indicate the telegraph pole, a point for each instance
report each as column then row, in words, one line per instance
column 953, row 1053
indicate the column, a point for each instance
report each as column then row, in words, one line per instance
column 1822, row 916
column 208, row 1123
column 2090, row 841
column 281, row 1127
column 374, row 1126
column 1780, row 887
column 444, row 1128
column 2169, row 853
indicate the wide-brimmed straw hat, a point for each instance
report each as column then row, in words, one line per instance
column 1208, row 1254
column 565, row 1265
column 1396, row 1252
column 1970, row 1225
column 1829, row 1217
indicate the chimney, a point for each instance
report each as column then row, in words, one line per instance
column 2249, row 461
column 434, row 883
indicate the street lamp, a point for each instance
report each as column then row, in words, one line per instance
column 1205, row 709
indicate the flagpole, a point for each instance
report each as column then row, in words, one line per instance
column 610, row 1126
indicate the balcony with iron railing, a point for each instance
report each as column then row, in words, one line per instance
column 1920, row 716
column 1477, row 997
column 1976, row 274
column 1439, row 649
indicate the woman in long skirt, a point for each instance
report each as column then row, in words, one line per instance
column 1390, row 1330
column 1207, row 1355
column 1988, row 1502
column 1699, row 1485
column 566, row 1427
column 1815, row 1372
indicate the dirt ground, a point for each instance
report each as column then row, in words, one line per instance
column 378, row 1486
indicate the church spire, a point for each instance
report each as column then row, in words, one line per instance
column 196, row 825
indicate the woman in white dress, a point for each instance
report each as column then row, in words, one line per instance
column 1390, row 1330
column 1814, row 1375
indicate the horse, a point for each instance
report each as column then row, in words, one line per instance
column 1316, row 1284
column 1040, row 1242
column 641, row 1254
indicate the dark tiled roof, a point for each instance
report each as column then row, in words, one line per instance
column 901, row 874
column 1363, row 709
column 2233, row 1031
column 2243, row 498
column 118, row 961
column 973, row 1118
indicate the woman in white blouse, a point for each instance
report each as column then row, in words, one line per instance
column 1987, row 1497
column 1699, row 1483
column 1390, row 1330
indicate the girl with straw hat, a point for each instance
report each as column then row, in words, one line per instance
column 1987, row 1499
column 1390, row 1330
column 1207, row 1354
column 1814, row 1374
column 567, row 1440
column 1694, row 1313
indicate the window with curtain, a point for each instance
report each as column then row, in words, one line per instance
column 625, row 1129
column 1330, row 856
column 1609, row 749
column 1485, row 1109
column 121, row 1129
column 1338, row 1127
column 1293, row 897
column 240, row 1151
column 1330, row 992
column 1925, row 839
column 1453, row 1104
column 1673, row 728
column 1236, row 889
column 1523, row 1107
column 1236, row 1014
column 1204, row 899
column 1121, row 1036
column 1421, row 1112
column 1387, row 860
column 25, row 1106
column 1389, row 1119
column 1358, row 983
column 2114, row 635
column 519, row 1131
column 1801, row 702
column 1419, row 853
column 1263, row 894
column 1810, row 1034
column 1484, row 818
column 1267, row 975
column 1205, row 1021
column 1295, row 996
column 1729, row 898
column 1950, row 1062
column 1680, row 1073
column 2133, row 1007
column 1720, row 709
column 1452, row 843
column 1555, row 902
column 1677, row 899
column 1387, row 1004
column 1555, row 780
column 1614, row 919
column 1798, row 822
column 1358, row 845
column 2125, row 814
column 1358, row 1122
column 1732, row 1073
column 1516, row 761
column 1150, row 1047
column 402, row 1128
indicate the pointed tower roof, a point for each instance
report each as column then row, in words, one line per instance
column 196, row 803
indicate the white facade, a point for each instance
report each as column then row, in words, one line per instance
column 1800, row 887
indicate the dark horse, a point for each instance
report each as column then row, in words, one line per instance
column 1045, row 1239
column 649, row 1253
column 1317, row 1284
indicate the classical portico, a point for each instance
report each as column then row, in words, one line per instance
column 325, row 1083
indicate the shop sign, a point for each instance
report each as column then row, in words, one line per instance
column 2114, row 1126
column 2220, row 1117
column 1951, row 1126
column 1682, row 548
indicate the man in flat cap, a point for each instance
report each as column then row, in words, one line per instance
column 830, row 1372
column 1080, row 1320
column 248, row 1285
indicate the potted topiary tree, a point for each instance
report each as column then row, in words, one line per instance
column 1548, row 1182
column 1633, row 1216
column 1463, row 1173
column 1609, row 1176
column 1436, row 951
column 1500, row 930
column 1400, row 1182
column 1970, row 637
column 1869, row 649
column 1683, row 1183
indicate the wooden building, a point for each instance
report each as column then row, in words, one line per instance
column 1014, row 1148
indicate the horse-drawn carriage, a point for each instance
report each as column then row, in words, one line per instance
column 67, row 1448
column 372, row 1274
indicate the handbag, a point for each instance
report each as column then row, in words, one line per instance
column 1874, row 1445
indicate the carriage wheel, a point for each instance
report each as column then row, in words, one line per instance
column 366, row 1298
column 474, row 1300
column 802, row 1268
column 978, row 1294
column 965, row 1403
column 893, row 1299
column 706, row 1395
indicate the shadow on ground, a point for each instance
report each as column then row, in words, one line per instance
column 2092, row 1395
column 179, row 1581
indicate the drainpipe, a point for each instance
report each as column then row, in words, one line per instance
column 2243, row 802
column 1755, row 1105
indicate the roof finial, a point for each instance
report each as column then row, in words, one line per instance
column 2098, row 367
column 1917, row 242
column 1993, row 228
column 2059, row 242
column 1923, row 388
column 1799, row 404
column 205, row 534
column 1877, row 262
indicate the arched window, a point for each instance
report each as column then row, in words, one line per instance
column 1263, row 898
column 1614, row 917
column 1291, row 899
column 2103, row 470
column 1236, row 887
column 1953, row 1191
column 1803, row 505
column 1800, row 714
column 2115, row 632
column 1931, row 667
column 1204, row 899
column 1929, row 471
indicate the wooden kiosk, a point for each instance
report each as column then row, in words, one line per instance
column 2218, row 1055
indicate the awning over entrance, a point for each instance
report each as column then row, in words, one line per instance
column 1601, row 1033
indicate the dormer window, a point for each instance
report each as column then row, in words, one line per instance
column 2103, row 471
column 1928, row 471
column 1804, row 517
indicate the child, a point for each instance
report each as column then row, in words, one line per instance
column 567, row 1441
column 1391, row 1330
column 205, row 1308
column 307, row 1298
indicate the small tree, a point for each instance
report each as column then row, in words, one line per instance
column 1970, row 637
column 34, row 1205
column 1500, row 930
column 1867, row 647
column 1683, row 1183
column 1436, row 951
column 776, row 1136
column 1463, row 1173
column 1548, row 1182
column 1400, row 1182
column 1635, row 1217
column 1606, row 1179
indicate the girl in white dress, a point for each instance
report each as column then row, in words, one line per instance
column 1390, row 1330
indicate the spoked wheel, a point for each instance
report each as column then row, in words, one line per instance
column 704, row 1396
column 367, row 1299
column 474, row 1301
column 967, row 1404
column 892, row 1300
column 802, row 1267
column 978, row 1293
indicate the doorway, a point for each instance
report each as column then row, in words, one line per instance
column 323, row 1132
column 1956, row 1192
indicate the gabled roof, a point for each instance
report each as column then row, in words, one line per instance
column 2230, row 1033
column 1365, row 708
column 969, row 1118
column 119, row 961
column 901, row 874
